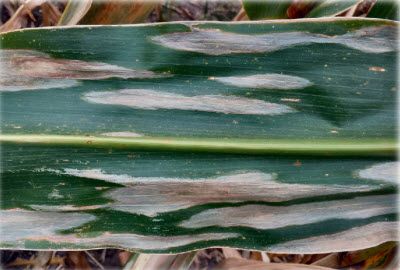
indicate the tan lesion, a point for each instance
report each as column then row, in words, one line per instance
column 51, row 68
column 20, row 225
column 147, row 99
column 29, row 70
column 356, row 238
column 274, row 217
column 127, row 134
column 266, row 81
column 385, row 171
column 216, row 42
column 153, row 195
column 133, row 241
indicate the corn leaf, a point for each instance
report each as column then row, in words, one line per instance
column 160, row 138
column 331, row 8
column 384, row 10
column 257, row 10
column 74, row 12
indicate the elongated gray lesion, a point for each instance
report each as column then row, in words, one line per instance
column 154, row 100
column 153, row 195
column 29, row 70
column 387, row 171
column 272, row 217
column 20, row 225
column 127, row 134
column 356, row 238
column 134, row 241
column 216, row 42
column 266, row 81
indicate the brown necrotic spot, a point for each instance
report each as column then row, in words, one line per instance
column 216, row 42
column 266, row 81
column 28, row 70
column 153, row 100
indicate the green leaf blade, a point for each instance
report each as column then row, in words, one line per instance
column 144, row 142
column 385, row 10
column 257, row 10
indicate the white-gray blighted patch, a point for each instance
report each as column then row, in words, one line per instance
column 388, row 171
column 131, row 240
column 266, row 81
column 127, row 134
column 216, row 42
column 154, row 100
column 153, row 195
column 13, row 79
column 18, row 224
column 28, row 70
column 274, row 217
column 356, row 238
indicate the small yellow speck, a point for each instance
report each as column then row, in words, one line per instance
column 377, row 69
column 290, row 99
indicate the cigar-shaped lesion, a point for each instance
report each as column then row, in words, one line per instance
column 30, row 70
column 217, row 42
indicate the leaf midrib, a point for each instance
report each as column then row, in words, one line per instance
column 315, row 147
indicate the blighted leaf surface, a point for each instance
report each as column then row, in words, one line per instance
column 318, row 107
column 164, row 201
column 344, row 71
